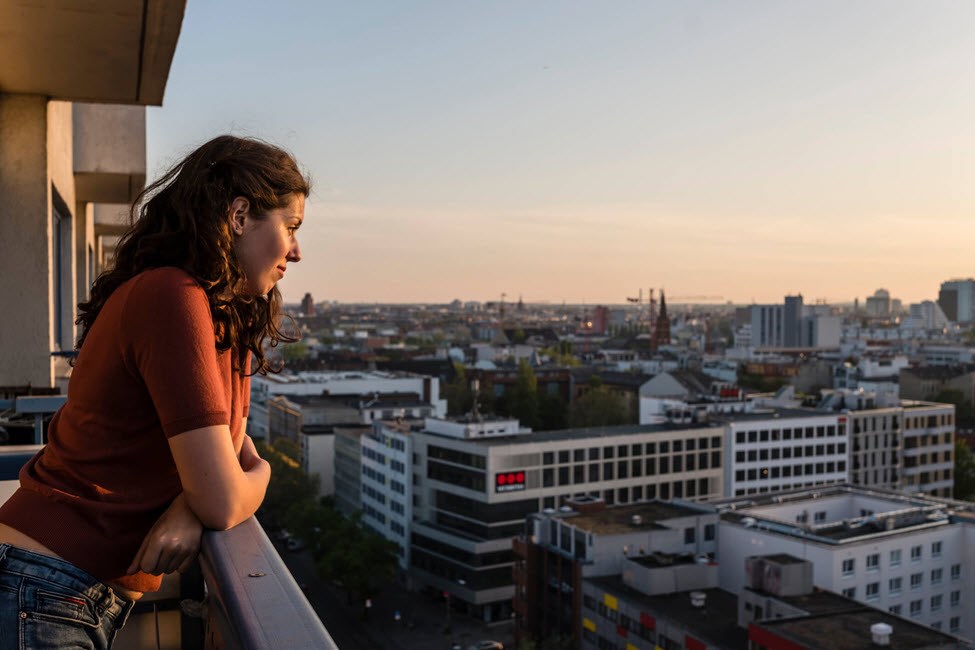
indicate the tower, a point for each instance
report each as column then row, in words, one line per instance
column 661, row 330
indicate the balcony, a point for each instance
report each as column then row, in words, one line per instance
column 251, row 600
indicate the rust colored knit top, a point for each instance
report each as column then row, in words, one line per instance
column 149, row 370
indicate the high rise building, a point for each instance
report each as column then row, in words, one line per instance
column 957, row 299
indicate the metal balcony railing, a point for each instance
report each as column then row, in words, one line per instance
column 253, row 601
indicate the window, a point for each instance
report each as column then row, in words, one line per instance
column 916, row 580
column 915, row 608
column 895, row 610
column 708, row 532
column 894, row 585
column 895, row 557
column 936, row 549
column 915, row 554
column 820, row 516
column 954, row 624
column 955, row 598
column 873, row 591
column 936, row 601
column 873, row 562
column 936, row 575
column 689, row 535
column 849, row 566
column 955, row 571
column 850, row 592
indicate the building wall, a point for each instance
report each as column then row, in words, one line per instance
column 318, row 460
column 25, row 241
column 775, row 454
column 737, row 542
column 928, row 449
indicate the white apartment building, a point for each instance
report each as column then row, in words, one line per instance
column 785, row 449
column 911, row 555
column 386, row 484
column 333, row 383
column 476, row 481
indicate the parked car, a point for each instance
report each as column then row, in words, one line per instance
column 487, row 645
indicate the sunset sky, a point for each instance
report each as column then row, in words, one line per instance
column 578, row 151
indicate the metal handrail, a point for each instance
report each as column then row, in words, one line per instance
column 254, row 602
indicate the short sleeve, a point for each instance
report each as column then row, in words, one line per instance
column 168, row 339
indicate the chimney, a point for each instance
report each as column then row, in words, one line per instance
column 880, row 633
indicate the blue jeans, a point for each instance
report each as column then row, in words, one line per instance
column 49, row 604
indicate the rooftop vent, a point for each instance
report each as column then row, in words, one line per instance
column 636, row 520
column 880, row 633
column 698, row 598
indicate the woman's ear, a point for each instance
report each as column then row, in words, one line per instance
column 239, row 212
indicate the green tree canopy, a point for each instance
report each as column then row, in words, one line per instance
column 964, row 472
column 597, row 408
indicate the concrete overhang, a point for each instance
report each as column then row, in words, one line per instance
column 112, row 51
column 109, row 152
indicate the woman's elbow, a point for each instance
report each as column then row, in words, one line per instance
column 216, row 515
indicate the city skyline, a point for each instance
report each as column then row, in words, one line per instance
column 559, row 152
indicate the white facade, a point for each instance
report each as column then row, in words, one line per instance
column 350, row 383
column 889, row 551
column 783, row 452
column 387, row 485
column 318, row 459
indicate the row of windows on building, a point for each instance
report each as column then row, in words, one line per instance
column 800, row 451
column 624, row 469
column 916, row 606
column 630, row 450
column 848, row 566
column 927, row 440
column 788, row 471
column 691, row 488
column 797, row 433
column 376, row 476
column 928, row 421
column 372, row 454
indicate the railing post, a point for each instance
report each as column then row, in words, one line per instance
column 191, row 587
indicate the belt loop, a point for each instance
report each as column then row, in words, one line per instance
column 3, row 552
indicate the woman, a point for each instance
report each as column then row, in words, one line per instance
column 149, row 447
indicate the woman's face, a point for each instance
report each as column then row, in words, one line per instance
column 265, row 245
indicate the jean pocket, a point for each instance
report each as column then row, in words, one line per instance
column 65, row 607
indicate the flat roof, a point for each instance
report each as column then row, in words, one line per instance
column 617, row 520
column 850, row 630
column 716, row 623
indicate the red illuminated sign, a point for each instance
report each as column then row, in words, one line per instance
column 509, row 481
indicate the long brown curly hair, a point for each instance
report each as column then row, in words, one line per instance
column 183, row 220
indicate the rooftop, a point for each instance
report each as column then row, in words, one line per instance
column 850, row 630
column 716, row 623
column 620, row 519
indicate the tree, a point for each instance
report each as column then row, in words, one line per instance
column 553, row 412
column 597, row 408
column 460, row 399
column 964, row 472
column 964, row 414
column 289, row 484
column 522, row 400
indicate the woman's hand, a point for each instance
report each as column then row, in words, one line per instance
column 173, row 542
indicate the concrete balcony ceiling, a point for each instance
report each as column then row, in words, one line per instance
column 111, row 51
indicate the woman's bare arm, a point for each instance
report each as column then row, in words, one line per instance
column 220, row 488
